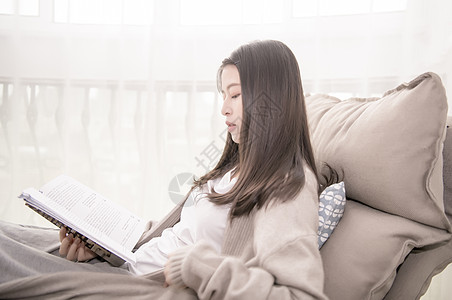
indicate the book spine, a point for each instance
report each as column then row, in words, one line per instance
column 99, row 250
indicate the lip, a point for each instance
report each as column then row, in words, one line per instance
column 231, row 126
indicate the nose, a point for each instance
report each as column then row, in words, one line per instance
column 226, row 108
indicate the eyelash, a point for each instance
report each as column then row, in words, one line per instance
column 233, row 97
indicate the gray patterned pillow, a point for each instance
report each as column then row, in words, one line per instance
column 331, row 210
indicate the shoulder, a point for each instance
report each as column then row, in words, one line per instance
column 307, row 199
column 291, row 218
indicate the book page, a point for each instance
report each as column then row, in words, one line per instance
column 94, row 216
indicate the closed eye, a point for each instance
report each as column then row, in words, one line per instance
column 235, row 96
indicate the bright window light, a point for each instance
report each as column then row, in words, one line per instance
column 210, row 12
column 215, row 12
column 138, row 12
column 342, row 95
column 304, row 8
column 312, row 8
column 262, row 11
column 7, row 7
column 29, row 7
column 22, row 7
column 272, row 11
column 251, row 15
column 343, row 7
column 95, row 12
column 60, row 11
column 388, row 5
column 104, row 12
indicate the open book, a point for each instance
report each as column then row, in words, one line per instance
column 106, row 228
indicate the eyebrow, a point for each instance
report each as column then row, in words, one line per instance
column 230, row 85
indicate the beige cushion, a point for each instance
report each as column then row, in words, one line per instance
column 389, row 148
column 390, row 152
column 415, row 274
column 361, row 256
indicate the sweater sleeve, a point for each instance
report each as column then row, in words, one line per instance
column 217, row 277
column 286, row 265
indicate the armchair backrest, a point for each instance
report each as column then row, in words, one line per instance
column 415, row 274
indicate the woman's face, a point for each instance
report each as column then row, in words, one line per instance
column 232, row 100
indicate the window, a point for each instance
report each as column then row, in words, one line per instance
column 214, row 12
column 304, row 8
column 312, row 8
column 7, row 7
column 345, row 7
column 104, row 12
column 388, row 5
column 21, row 7
column 29, row 7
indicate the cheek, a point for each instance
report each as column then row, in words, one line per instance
column 239, row 108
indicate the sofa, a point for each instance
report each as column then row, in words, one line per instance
column 394, row 155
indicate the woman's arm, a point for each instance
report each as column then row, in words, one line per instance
column 280, row 276
column 285, row 263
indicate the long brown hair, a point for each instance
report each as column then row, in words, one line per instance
column 274, row 138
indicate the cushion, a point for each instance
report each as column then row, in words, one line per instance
column 331, row 209
column 389, row 151
column 389, row 148
column 361, row 257
column 414, row 276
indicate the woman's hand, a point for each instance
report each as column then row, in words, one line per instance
column 74, row 249
column 166, row 273
column 171, row 271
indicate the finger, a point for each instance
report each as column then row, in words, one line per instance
column 165, row 273
column 65, row 244
column 63, row 232
column 81, row 253
column 72, row 253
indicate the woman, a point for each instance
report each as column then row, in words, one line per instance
column 257, row 234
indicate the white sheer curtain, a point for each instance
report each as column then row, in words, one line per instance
column 121, row 95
